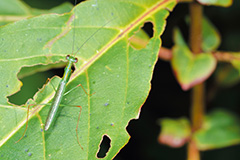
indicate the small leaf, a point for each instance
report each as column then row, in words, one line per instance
column 223, row 3
column 236, row 62
column 232, row 57
column 174, row 133
column 227, row 75
column 220, row 129
column 211, row 37
column 190, row 69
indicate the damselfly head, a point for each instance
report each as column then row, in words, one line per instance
column 71, row 58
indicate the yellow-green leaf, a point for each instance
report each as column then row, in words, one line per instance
column 188, row 68
column 223, row 3
column 211, row 37
column 220, row 129
column 174, row 133
column 13, row 10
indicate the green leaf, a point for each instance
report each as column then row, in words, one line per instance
column 231, row 57
column 236, row 61
column 227, row 75
column 223, row 3
column 13, row 7
column 139, row 40
column 220, row 129
column 211, row 37
column 63, row 8
column 174, row 133
column 190, row 69
column 107, row 65
column 13, row 10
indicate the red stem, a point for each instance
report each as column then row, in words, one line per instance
column 198, row 106
column 221, row 56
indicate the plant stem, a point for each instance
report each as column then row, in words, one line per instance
column 221, row 56
column 193, row 153
column 197, row 108
column 195, row 37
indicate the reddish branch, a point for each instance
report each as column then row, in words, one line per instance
column 226, row 56
column 198, row 92
column 221, row 56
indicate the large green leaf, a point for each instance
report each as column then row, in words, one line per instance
column 108, row 66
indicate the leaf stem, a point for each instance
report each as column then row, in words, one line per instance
column 198, row 106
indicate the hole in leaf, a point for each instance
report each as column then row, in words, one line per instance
column 46, row 4
column 141, row 38
column 148, row 28
column 33, row 78
column 104, row 147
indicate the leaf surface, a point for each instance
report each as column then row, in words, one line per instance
column 174, row 132
column 210, row 35
column 220, row 129
column 227, row 75
column 236, row 60
column 108, row 66
column 13, row 10
column 223, row 3
column 190, row 69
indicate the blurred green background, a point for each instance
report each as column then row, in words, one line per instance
column 166, row 98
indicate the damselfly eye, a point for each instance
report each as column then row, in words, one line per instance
column 75, row 60
column 67, row 57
